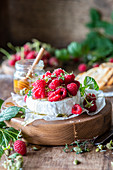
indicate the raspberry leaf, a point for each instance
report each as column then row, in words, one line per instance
column 11, row 112
column 61, row 77
column 54, row 75
column 74, row 49
column 7, row 135
column 62, row 54
column 5, row 52
column 82, row 90
column 29, row 93
column 2, row 124
column 1, row 101
column 90, row 83
column 1, row 151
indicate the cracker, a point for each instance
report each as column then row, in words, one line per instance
column 103, row 75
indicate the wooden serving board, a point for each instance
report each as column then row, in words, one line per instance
column 63, row 132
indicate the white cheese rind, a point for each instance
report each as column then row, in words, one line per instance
column 53, row 108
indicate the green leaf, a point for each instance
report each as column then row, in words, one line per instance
column 10, row 112
column 1, row 101
column 2, row 124
column 90, row 83
column 95, row 17
column 11, row 46
column 8, row 134
column 112, row 15
column 1, row 151
column 74, row 49
column 82, row 90
column 13, row 133
column 94, row 14
column 62, row 54
column 102, row 24
column 4, row 52
column 29, row 93
column 109, row 29
column 102, row 52
column 99, row 41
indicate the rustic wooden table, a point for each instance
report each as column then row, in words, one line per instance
column 54, row 157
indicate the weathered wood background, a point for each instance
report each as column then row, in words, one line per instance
column 52, row 21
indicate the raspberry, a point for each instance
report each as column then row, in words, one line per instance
column 39, row 89
column 31, row 55
column 53, row 61
column 82, row 67
column 48, row 81
column 17, row 57
column 20, row 147
column 54, row 84
column 62, row 92
column 69, row 78
column 46, row 55
column 59, row 94
column 48, row 74
column 89, row 97
column 76, row 109
column 60, row 80
column 35, row 84
column 26, row 49
column 77, row 83
column 72, row 88
column 95, row 65
column 49, row 92
column 25, row 97
column 47, row 77
column 58, row 72
column 12, row 60
column 111, row 60
column 53, row 97
column 39, row 94
column 91, row 108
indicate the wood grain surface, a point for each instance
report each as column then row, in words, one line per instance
column 54, row 158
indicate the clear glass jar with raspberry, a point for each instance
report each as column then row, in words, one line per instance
column 22, row 67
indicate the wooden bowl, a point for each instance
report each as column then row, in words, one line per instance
column 63, row 132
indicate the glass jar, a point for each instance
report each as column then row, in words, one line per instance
column 22, row 67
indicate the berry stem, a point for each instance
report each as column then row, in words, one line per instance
column 88, row 103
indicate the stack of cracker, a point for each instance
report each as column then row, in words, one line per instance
column 103, row 75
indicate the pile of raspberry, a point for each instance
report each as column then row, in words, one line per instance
column 55, row 86
column 29, row 53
